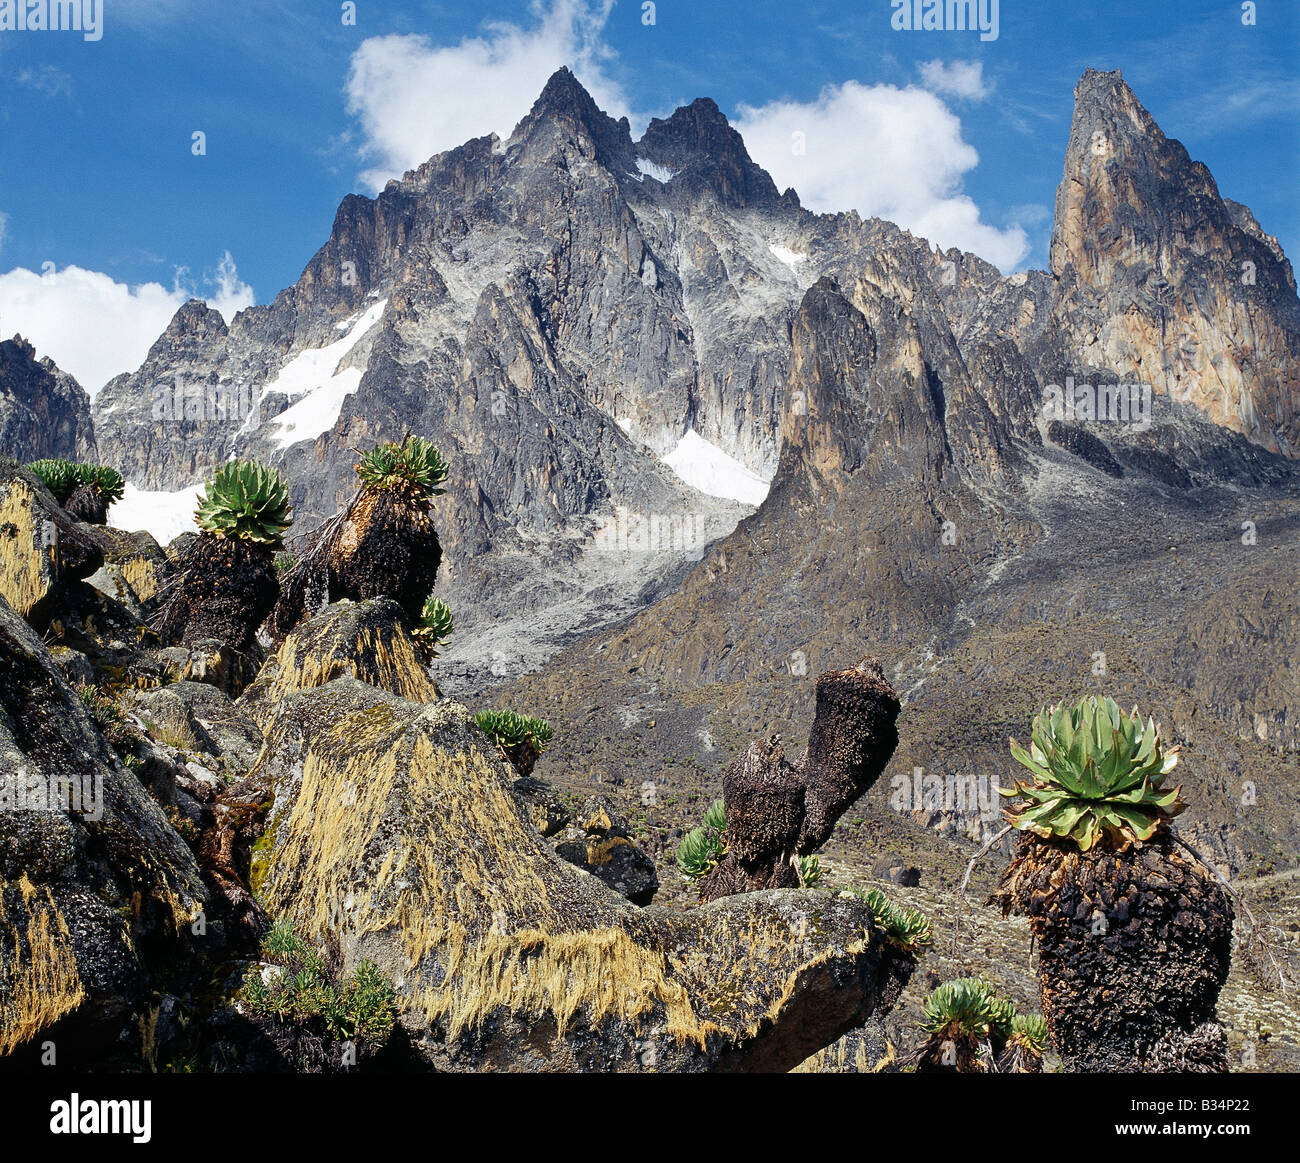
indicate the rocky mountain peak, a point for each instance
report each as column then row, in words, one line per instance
column 1182, row 291
column 43, row 410
column 195, row 319
column 20, row 347
column 565, row 106
column 699, row 143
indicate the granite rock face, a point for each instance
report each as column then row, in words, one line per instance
column 1164, row 282
column 44, row 412
column 557, row 311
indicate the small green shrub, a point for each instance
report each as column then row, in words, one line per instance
column 305, row 996
column 1030, row 1031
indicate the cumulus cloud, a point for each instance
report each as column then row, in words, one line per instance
column 95, row 327
column 414, row 98
column 963, row 79
column 885, row 152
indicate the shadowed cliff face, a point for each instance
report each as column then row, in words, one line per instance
column 43, row 411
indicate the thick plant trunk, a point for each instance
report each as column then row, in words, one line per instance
column 387, row 547
column 1134, row 948
column 776, row 810
column 86, row 504
column 952, row 1052
column 225, row 590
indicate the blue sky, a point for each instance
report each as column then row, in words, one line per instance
column 957, row 138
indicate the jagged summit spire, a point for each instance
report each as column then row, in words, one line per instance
column 699, row 142
column 1103, row 102
column 564, row 105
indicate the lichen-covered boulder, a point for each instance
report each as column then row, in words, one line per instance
column 200, row 720
column 41, row 546
column 98, row 893
column 213, row 663
column 368, row 640
column 136, row 568
column 395, row 834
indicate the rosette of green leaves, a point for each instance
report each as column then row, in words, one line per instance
column 414, row 467
column 1098, row 773
column 246, row 501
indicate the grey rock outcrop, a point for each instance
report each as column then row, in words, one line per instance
column 98, row 893
column 44, row 412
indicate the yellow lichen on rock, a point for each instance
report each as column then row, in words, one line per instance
column 396, row 836
column 604, row 973
column 321, row 650
column 28, row 549
column 39, row 982
column 141, row 575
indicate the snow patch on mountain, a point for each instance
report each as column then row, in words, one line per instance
column 312, row 379
column 655, row 170
column 786, row 255
column 163, row 515
column 705, row 467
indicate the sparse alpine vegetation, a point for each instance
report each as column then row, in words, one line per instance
column 228, row 582
column 308, row 1012
column 59, row 476
column 520, row 738
column 905, row 928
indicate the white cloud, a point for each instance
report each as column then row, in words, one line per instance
column 886, row 152
column 960, row 79
column 414, row 98
column 48, row 80
column 95, row 327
